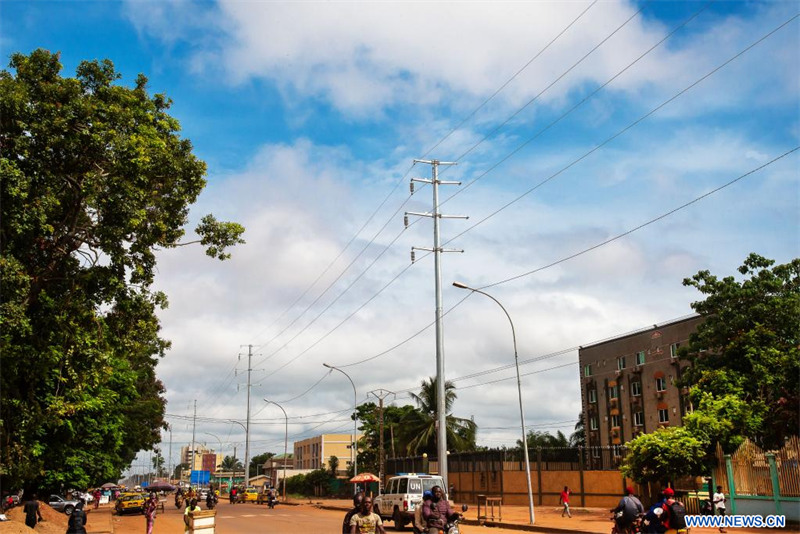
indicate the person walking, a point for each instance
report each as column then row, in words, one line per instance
column 719, row 505
column 150, row 512
column 357, row 499
column 33, row 514
column 366, row 521
column 77, row 520
column 96, row 495
column 564, row 500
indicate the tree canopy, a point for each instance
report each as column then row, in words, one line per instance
column 745, row 356
column 418, row 427
column 743, row 377
column 94, row 180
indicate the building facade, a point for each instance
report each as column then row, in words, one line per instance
column 628, row 384
column 316, row 452
column 205, row 459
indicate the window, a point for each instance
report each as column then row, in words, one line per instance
column 663, row 415
column 614, row 421
column 403, row 486
column 613, row 392
column 638, row 419
column 592, row 396
column 587, row 370
column 673, row 350
column 595, row 452
column 616, row 451
column 640, row 358
column 593, row 423
column 636, row 389
column 621, row 363
column 661, row 384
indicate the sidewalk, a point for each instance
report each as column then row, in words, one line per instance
column 100, row 521
column 547, row 519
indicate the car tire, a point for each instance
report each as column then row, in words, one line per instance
column 399, row 523
column 68, row 509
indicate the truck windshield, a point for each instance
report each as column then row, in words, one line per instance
column 428, row 483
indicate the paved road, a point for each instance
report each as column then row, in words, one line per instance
column 254, row 519
column 243, row 519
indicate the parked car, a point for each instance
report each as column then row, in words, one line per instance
column 130, row 502
column 402, row 495
column 60, row 504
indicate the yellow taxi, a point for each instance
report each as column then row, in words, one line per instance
column 249, row 495
column 130, row 502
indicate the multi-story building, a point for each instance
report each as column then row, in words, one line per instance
column 628, row 384
column 205, row 459
column 316, row 452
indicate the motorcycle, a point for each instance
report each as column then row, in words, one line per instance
column 451, row 527
column 634, row 528
column 272, row 501
column 178, row 501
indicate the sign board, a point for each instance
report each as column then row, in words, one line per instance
column 199, row 478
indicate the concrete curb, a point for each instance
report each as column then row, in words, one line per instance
column 491, row 524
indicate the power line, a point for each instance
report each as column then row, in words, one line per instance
column 494, row 166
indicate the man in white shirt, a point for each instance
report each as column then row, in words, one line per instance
column 719, row 504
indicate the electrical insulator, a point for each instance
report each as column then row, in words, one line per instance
column 411, row 186
column 405, row 221
column 413, row 256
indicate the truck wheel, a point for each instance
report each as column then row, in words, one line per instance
column 399, row 524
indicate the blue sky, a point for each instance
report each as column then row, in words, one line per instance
column 309, row 115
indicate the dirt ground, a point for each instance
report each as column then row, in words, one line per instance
column 54, row 522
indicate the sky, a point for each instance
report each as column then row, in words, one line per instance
column 571, row 123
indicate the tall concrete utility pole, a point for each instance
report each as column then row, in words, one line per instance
column 194, row 425
column 381, row 394
column 247, row 428
column 441, row 416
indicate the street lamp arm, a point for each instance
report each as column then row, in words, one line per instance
column 355, row 421
column 519, row 392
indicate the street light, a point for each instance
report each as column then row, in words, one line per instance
column 285, row 443
column 355, row 423
column 519, row 391
column 220, row 448
column 247, row 467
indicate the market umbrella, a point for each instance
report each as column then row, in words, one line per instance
column 364, row 477
column 109, row 485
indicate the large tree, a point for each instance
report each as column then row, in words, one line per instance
column 745, row 356
column 419, row 426
column 369, row 426
column 94, row 179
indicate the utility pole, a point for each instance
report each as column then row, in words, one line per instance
column 169, row 461
column 381, row 394
column 247, row 428
column 194, row 424
column 441, row 416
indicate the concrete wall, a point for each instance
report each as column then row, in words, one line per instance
column 600, row 489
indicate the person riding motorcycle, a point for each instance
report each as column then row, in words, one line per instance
column 437, row 512
column 627, row 511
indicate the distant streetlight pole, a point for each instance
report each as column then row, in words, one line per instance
column 354, row 448
column 246, row 468
column 519, row 391
column 285, row 443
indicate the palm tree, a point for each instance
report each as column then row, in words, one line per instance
column 578, row 438
column 229, row 463
column 419, row 426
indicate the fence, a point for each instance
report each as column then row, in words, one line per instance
column 591, row 473
column 761, row 482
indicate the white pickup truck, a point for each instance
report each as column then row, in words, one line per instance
column 402, row 495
